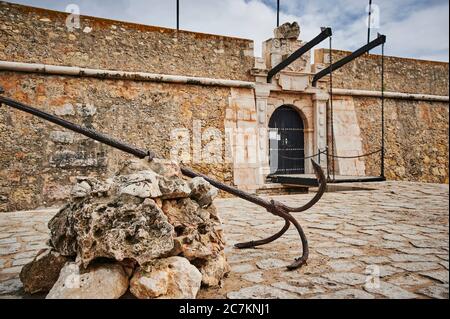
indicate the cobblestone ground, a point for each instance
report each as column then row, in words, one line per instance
column 394, row 237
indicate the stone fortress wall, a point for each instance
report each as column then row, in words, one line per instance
column 39, row 162
column 416, row 130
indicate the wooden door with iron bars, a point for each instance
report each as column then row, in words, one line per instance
column 286, row 142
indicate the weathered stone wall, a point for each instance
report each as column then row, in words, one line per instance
column 40, row 36
column 39, row 161
column 416, row 139
column 401, row 74
column 416, row 131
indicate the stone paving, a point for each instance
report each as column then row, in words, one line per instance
column 387, row 242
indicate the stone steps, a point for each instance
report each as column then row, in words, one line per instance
column 278, row 189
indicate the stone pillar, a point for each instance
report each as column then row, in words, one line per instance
column 241, row 125
column 320, row 100
column 262, row 92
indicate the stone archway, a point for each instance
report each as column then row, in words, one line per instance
column 287, row 141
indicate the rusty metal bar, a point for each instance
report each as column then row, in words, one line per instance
column 76, row 128
column 273, row 207
column 383, row 116
column 369, row 22
column 278, row 13
column 378, row 41
column 326, row 32
column 178, row 14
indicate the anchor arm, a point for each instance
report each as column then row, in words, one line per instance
column 252, row 244
column 322, row 188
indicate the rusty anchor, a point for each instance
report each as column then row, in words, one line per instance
column 274, row 207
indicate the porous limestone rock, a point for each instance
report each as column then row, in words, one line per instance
column 199, row 234
column 87, row 186
column 174, row 188
column 143, row 184
column 101, row 281
column 80, row 190
column 148, row 220
column 213, row 269
column 167, row 168
column 132, row 166
column 129, row 266
column 41, row 274
column 202, row 191
column 171, row 278
column 124, row 228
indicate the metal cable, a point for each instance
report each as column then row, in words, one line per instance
column 302, row 158
column 383, row 144
column 332, row 110
column 359, row 156
column 333, row 156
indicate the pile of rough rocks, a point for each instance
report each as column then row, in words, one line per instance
column 146, row 230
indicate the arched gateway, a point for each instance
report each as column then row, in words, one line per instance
column 286, row 141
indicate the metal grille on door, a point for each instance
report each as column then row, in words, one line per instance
column 287, row 142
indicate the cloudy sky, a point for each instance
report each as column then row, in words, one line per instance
column 415, row 28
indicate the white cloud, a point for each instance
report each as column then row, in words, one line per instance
column 424, row 33
column 415, row 28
